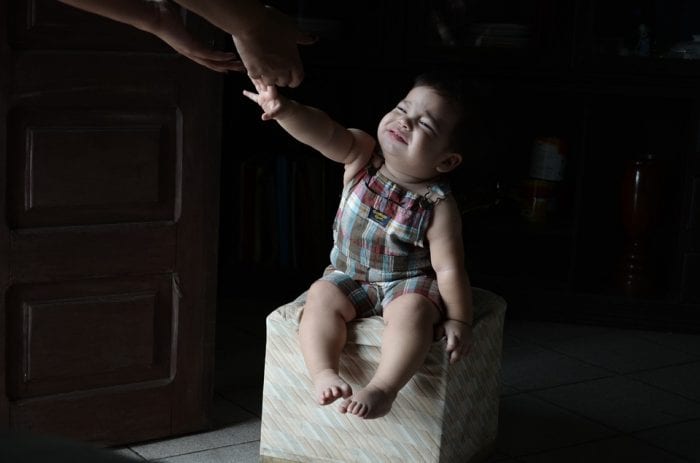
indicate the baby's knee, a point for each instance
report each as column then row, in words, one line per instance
column 320, row 292
column 324, row 298
column 413, row 308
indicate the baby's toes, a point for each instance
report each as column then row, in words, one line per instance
column 345, row 391
column 343, row 407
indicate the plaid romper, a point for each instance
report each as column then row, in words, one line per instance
column 379, row 250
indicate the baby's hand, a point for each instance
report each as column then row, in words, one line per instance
column 267, row 98
column 459, row 339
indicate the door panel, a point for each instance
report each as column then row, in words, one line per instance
column 102, row 332
column 48, row 24
column 109, row 162
column 137, row 146
column 105, row 417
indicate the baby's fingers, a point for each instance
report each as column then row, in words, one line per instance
column 259, row 85
column 453, row 348
column 452, row 342
column 252, row 95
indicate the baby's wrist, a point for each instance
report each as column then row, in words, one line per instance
column 285, row 110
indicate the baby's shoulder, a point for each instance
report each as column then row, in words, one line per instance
column 446, row 214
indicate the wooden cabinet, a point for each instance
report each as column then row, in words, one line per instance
column 109, row 152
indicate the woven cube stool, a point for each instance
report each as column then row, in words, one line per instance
column 446, row 413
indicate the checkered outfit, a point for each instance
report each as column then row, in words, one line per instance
column 379, row 250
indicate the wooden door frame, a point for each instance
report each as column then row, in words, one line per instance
column 4, row 231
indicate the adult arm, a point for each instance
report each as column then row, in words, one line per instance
column 265, row 38
column 162, row 19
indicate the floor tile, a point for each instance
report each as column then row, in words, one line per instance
column 249, row 399
column 500, row 458
column 681, row 438
column 681, row 379
column 510, row 342
column 615, row 450
column 245, row 431
column 579, row 408
column 688, row 343
column 127, row 452
column 546, row 332
column 243, row 453
column 240, row 361
column 226, row 413
column 528, row 425
column 620, row 351
column 528, row 367
column 622, row 403
column 508, row 390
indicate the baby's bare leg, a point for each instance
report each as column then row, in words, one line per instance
column 322, row 336
column 406, row 340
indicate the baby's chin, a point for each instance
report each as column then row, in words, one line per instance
column 388, row 145
column 388, row 153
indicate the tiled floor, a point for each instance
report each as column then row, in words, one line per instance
column 571, row 393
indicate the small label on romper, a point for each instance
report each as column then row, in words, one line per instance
column 379, row 217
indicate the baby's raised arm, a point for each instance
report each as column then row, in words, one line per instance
column 314, row 127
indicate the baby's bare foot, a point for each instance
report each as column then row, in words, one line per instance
column 329, row 387
column 371, row 402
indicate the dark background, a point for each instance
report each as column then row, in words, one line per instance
column 574, row 75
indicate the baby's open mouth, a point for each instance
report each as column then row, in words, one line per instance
column 397, row 136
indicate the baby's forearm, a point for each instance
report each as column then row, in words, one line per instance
column 456, row 293
column 316, row 129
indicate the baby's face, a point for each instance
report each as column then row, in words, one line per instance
column 415, row 135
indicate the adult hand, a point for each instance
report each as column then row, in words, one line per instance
column 170, row 28
column 269, row 49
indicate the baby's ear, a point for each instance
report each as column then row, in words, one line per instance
column 449, row 163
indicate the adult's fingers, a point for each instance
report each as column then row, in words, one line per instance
column 297, row 75
column 284, row 78
column 213, row 55
column 306, row 38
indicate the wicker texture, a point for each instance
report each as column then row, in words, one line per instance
column 444, row 414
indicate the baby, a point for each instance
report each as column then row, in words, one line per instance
column 398, row 249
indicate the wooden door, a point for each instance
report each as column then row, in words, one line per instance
column 109, row 152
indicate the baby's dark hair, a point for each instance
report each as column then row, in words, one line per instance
column 465, row 138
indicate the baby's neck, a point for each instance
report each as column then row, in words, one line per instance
column 414, row 184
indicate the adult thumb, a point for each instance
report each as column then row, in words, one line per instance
column 306, row 38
